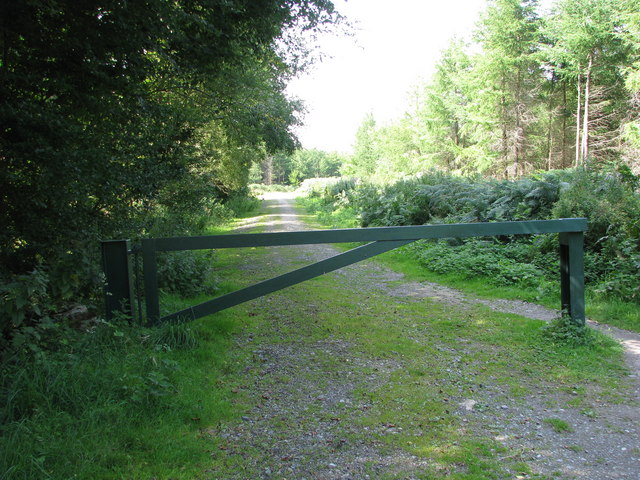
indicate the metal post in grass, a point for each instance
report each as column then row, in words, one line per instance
column 572, row 275
column 116, row 264
column 150, row 269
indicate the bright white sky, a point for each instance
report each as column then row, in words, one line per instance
column 396, row 46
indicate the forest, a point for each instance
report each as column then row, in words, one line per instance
column 127, row 119
column 146, row 119
column 530, row 93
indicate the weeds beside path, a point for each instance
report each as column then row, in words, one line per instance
column 362, row 374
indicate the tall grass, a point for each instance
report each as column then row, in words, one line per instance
column 113, row 399
column 119, row 401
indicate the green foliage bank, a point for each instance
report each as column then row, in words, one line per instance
column 609, row 200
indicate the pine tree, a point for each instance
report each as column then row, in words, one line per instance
column 505, row 77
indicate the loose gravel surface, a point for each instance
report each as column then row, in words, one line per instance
column 305, row 424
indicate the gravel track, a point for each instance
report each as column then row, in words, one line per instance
column 303, row 426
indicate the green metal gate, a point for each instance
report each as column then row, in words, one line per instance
column 120, row 284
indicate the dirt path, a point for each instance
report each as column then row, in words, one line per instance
column 286, row 218
column 296, row 432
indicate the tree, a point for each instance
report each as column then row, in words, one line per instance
column 107, row 105
column 504, row 79
column 442, row 116
column 364, row 161
column 313, row 163
column 630, row 17
column 588, row 52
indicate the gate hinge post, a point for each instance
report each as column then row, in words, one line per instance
column 150, row 273
column 118, row 271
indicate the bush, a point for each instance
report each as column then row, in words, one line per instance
column 608, row 199
column 189, row 273
column 611, row 206
column 26, row 314
column 241, row 204
column 316, row 186
column 435, row 197
column 503, row 265
column 186, row 273
column 564, row 331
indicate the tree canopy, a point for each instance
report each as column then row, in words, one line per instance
column 111, row 108
column 531, row 92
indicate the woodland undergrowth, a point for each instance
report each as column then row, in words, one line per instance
column 527, row 265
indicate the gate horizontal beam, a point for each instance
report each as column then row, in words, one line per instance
column 288, row 279
column 371, row 234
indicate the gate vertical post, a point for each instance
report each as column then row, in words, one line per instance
column 572, row 275
column 118, row 271
column 150, row 273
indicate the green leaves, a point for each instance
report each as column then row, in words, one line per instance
column 608, row 200
column 114, row 112
column 26, row 296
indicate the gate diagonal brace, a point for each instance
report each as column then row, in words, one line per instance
column 118, row 271
column 286, row 280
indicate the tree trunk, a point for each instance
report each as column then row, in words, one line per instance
column 584, row 150
column 550, row 142
column 519, row 136
column 267, row 170
column 456, row 141
column 564, row 124
column 577, row 163
column 549, row 129
column 505, row 142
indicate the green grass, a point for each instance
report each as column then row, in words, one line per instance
column 616, row 312
column 125, row 402
column 421, row 395
column 558, row 425
column 136, row 403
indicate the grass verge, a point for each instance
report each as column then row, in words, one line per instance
column 618, row 313
column 116, row 400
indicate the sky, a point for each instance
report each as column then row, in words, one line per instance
column 395, row 47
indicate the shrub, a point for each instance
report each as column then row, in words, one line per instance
column 26, row 314
column 608, row 199
column 611, row 206
column 189, row 273
column 316, row 186
column 186, row 273
column 241, row 204
column 502, row 264
column 565, row 331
